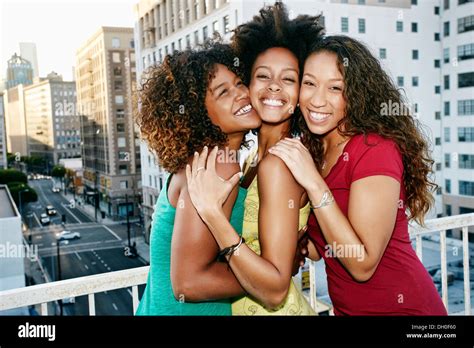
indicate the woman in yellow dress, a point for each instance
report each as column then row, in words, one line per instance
column 272, row 47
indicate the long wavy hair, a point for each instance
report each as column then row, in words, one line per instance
column 171, row 113
column 368, row 90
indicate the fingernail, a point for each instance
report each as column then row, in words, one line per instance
column 196, row 153
column 205, row 147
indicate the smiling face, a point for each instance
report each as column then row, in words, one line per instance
column 274, row 84
column 228, row 103
column 321, row 96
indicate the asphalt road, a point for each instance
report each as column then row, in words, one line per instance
column 99, row 249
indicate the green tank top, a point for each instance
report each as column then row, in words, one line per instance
column 158, row 298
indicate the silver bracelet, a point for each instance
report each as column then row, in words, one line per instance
column 327, row 199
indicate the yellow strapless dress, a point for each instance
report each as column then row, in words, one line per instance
column 295, row 302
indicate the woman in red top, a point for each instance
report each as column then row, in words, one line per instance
column 364, row 164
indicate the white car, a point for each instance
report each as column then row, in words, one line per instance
column 56, row 189
column 44, row 219
column 69, row 300
column 64, row 235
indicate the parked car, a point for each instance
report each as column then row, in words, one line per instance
column 69, row 300
column 44, row 219
column 50, row 210
column 65, row 235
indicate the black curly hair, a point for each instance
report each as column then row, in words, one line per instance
column 172, row 115
column 273, row 28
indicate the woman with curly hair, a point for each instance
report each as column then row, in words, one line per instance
column 272, row 48
column 194, row 100
column 363, row 167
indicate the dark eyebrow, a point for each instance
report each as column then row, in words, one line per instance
column 217, row 87
column 314, row 77
column 267, row 67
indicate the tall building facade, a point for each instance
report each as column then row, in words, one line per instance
column 28, row 51
column 105, row 76
column 457, row 111
column 3, row 139
column 15, row 121
column 406, row 35
column 19, row 71
column 52, row 121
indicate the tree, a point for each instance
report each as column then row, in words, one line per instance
column 12, row 175
column 28, row 194
column 58, row 171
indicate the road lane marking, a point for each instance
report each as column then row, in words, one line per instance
column 113, row 233
column 115, row 306
column 37, row 220
column 80, row 258
column 47, row 201
column 86, row 267
column 130, row 292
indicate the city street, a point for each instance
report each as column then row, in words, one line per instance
column 99, row 249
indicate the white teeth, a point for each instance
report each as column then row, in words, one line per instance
column 318, row 116
column 273, row 102
column 244, row 110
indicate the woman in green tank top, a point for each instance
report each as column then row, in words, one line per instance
column 194, row 100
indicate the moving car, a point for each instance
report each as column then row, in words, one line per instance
column 44, row 219
column 50, row 210
column 56, row 189
column 64, row 235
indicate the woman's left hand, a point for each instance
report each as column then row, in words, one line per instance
column 208, row 191
column 298, row 160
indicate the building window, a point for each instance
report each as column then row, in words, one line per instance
column 437, row 89
column 188, row 41
column 415, row 81
column 447, row 108
column 466, row 188
column 447, row 186
column 437, row 115
column 180, row 44
column 226, row 23
column 196, row 37
column 436, row 10
column 120, row 113
column 414, row 27
column 383, row 53
column 447, row 134
column 123, row 184
column 120, row 127
column 466, row 80
column 215, row 26
column 204, row 33
column 438, row 167
column 447, row 160
column 119, row 99
column 344, row 24
column 116, row 57
column 123, row 169
column 466, row 107
column 465, row 24
column 466, row 51
column 399, row 26
column 437, row 63
column 361, row 25
column 436, row 37
column 446, row 82
column 446, row 55
column 446, row 5
column 446, row 28
column 414, row 54
column 115, row 42
column 121, row 142
column 466, row 161
column 117, row 85
column 448, row 209
column 437, row 141
column 466, row 134
column 118, row 70
column 400, row 81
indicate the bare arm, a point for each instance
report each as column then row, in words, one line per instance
column 195, row 274
column 266, row 277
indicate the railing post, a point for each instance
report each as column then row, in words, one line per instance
column 419, row 247
column 444, row 269
column 312, row 285
column 44, row 308
column 91, row 304
column 135, row 298
column 465, row 265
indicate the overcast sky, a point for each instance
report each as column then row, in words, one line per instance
column 58, row 27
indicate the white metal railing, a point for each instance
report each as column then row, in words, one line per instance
column 440, row 225
column 90, row 285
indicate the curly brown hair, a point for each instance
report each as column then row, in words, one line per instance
column 367, row 89
column 172, row 115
